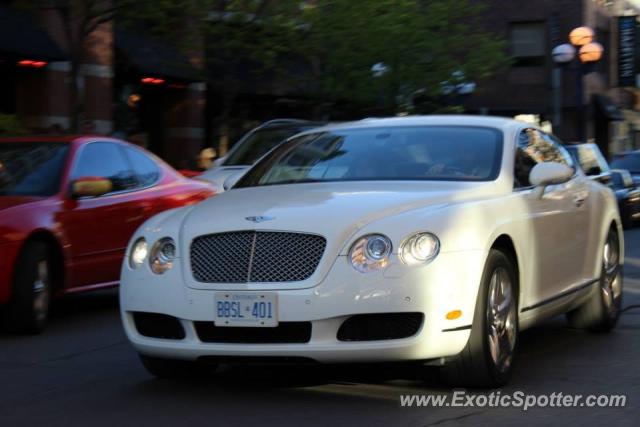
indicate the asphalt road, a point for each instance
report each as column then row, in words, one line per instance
column 83, row 372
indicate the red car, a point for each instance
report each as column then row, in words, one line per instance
column 68, row 206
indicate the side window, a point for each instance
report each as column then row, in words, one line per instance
column 106, row 160
column 145, row 169
column 536, row 147
column 524, row 161
column 566, row 156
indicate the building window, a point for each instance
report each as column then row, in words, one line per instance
column 528, row 43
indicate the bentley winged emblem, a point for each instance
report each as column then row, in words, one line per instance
column 259, row 218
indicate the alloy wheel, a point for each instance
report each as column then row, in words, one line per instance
column 501, row 319
column 611, row 284
column 41, row 292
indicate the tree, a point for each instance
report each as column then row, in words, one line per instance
column 234, row 35
column 420, row 43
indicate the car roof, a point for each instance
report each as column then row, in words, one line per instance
column 289, row 123
column 434, row 120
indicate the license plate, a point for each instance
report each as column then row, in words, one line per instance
column 248, row 309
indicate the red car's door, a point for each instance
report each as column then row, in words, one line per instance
column 99, row 228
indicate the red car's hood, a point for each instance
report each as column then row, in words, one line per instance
column 7, row 202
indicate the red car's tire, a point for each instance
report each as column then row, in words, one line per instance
column 28, row 308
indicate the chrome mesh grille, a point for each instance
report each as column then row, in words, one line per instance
column 255, row 256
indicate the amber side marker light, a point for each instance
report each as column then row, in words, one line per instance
column 453, row 315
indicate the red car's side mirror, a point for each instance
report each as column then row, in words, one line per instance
column 91, row 186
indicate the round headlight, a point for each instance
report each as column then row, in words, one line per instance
column 419, row 249
column 138, row 254
column 162, row 255
column 370, row 253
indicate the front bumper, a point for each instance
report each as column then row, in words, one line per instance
column 449, row 283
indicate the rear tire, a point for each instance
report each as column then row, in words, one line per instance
column 28, row 308
column 172, row 368
column 601, row 311
column 487, row 359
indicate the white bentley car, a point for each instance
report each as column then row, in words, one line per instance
column 426, row 239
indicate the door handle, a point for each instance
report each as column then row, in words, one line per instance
column 579, row 200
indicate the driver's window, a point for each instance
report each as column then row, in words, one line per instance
column 536, row 147
column 105, row 160
column 524, row 161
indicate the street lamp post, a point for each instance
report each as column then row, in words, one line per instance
column 589, row 52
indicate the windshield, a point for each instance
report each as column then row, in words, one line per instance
column 31, row 168
column 630, row 162
column 445, row 153
column 257, row 144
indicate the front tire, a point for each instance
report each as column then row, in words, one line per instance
column 487, row 359
column 601, row 311
column 28, row 308
column 172, row 368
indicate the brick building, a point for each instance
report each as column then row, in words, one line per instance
column 532, row 29
column 128, row 84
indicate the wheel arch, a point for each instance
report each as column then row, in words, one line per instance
column 505, row 244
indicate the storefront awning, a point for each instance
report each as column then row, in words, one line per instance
column 21, row 37
column 151, row 57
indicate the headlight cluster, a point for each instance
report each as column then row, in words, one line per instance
column 138, row 254
column 419, row 249
column 372, row 252
column 161, row 256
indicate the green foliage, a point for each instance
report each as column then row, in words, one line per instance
column 11, row 126
column 421, row 43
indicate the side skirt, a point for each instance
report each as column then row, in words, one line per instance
column 560, row 295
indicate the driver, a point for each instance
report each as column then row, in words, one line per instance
column 463, row 163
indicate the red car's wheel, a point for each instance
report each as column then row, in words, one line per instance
column 28, row 308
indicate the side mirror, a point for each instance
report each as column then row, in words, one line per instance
column 218, row 162
column 232, row 179
column 91, row 186
column 621, row 178
column 549, row 173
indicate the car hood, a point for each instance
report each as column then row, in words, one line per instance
column 337, row 211
column 218, row 175
column 333, row 210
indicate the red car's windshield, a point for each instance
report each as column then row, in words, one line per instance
column 31, row 168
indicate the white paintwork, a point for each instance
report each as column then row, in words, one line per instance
column 558, row 239
column 548, row 173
